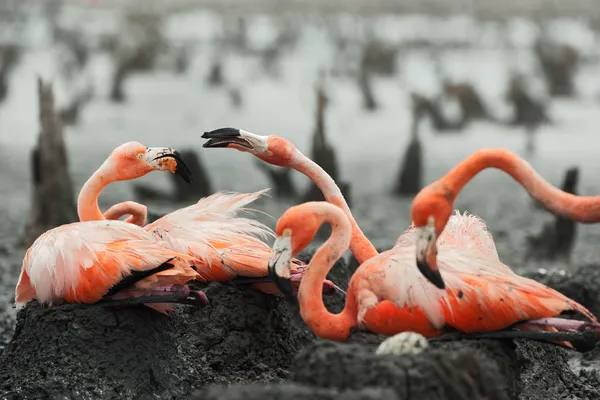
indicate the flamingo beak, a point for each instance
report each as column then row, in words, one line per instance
column 280, row 263
column 427, row 252
column 166, row 159
column 237, row 139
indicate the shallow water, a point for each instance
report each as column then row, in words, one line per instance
column 164, row 109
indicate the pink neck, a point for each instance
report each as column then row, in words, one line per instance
column 323, row 323
column 577, row 208
column 361, row 247
column 87, row 203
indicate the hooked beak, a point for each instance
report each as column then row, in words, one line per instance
column 427, row 252
column 166, row 159
column 280, row 263
column 237, row 139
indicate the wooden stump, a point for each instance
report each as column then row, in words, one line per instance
column 53, row 200
column 556, row 239
column 323, row 153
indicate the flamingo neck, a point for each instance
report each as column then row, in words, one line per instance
column 323, row 323
column 577, row 208
column 361, row 247
column 138, row 212
column 87, row 203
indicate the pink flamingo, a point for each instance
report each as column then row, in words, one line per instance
column 128, row 161
column 281, row 152
column 388, row 295
column 111, row 262
column 224, row 245
column 432, row 206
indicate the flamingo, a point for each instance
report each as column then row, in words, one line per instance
column 223, row 245
column 433, row 205
column 111, row 262
column 387, row 295
column 281, row 152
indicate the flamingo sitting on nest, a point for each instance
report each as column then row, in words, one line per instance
column 112, row 261
column 388, row 295
column 432, row 206
column 223, row 245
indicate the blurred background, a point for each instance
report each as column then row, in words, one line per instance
column 386, row 95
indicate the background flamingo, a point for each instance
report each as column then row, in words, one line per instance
column 432, row 207
column 86, row 262
column 281, row 152
column 387, row 295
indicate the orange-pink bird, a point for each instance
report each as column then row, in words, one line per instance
column 278, row 151
column 433, row 205
column 224, row 245
column 388, row 295
column 86, row 262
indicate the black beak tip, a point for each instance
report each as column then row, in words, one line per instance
column 432, row 276
column 283, row 284
column 182, row 170
column 222, row 133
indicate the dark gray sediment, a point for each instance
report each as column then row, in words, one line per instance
column 248, row 345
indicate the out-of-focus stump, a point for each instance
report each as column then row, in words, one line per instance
column 556, row 238
column 528, row 111
column 183, row 191
column 323, row 153
column 132, row 353
column 215, row 75
column 470, row 101
column 410, row 176
column 69, row 115
column 235, row 95
column 9, row 57
column 559, row 64
column 53, row 199
column 431, row 108
column 366, row 89
column 281, row 179
column 120, row 74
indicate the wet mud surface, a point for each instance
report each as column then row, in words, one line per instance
column 248, row 345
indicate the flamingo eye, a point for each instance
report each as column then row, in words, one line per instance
column 139, row 156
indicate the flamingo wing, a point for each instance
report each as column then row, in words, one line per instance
column 481, row 294
column 80, row 262
column 226, row 244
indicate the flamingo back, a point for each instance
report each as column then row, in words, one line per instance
column 481, row 292
column 212, row 231
column 80, row 262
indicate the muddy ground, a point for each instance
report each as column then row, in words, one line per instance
column 248, row 345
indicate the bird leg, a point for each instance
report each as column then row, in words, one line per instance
column 568, row 331
column 182, row 296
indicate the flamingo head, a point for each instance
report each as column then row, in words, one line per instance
column 295, row 230
column 430, row 214
column 133, row 160
column 272, row 149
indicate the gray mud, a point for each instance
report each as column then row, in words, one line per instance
column 250, row 345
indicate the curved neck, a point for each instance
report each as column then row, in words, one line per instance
column 323, row 323
column 577, row 208
column 361, row 247
column 87, row 203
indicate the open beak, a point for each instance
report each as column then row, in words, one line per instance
column 280, row 263
column 238, row 139
column 427, row 253
column 224, row 137
column 166, row 159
